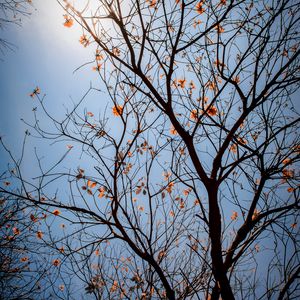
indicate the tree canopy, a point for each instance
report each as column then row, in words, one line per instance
column 183, row 182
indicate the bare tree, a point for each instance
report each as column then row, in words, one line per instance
column 188, row 188
column 23, row 271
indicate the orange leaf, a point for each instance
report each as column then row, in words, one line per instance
column 117, row 110
column 56, row 262
column 56, row 212
column 68, row 21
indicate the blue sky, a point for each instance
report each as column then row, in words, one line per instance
column 46, row 55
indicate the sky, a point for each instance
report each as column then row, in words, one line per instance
column 45, row 55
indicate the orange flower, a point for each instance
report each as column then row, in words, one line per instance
column 101, row 191
column 141, row 208
column 234, row 216
column 170, row 186
column 233, row 148
column 192, row 85
column 167, row 175
column 219, row 63
column 97, row 68
column 35, row 92
column 68, row 21
column 91, row 184
column 114, row 287
column 116, row 51
column 254, row 136
column 117, row 110
column 56, row 262
column 211, row 110
column 56, row 212
column 242, row 141
column 173, row 131
column 211, row 85
column 288, row 173
column 84, row 40
column 296, row 149
column 16, row 231
column 186, row 191
column 286, row 161
column 196, row 202
column 24, row 259
column 161, row 254
column 181, row 151
column 98, row 55
column 39, row 235
column 200, row 10
column 127, row 168
column 181, row 83
column 220, row 29
column 152, row 3
column 33, row 218
column 255, row 214
column 197, row 22
column 236, row 79
column 194, row 115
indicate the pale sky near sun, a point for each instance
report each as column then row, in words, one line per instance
column 46, row 55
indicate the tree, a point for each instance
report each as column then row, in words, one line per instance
column 25, row 256
column 201, row 92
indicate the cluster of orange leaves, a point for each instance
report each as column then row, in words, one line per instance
column 220, row 29
column 56, row 262
column 98, row 56
column 199, row 7
column 35, row 92
column 102, row 191
column 141, row 188
column 56, row 212
column 116, row 51
column 194, row 115
column 84, row 40
column 211, row 110
column 91, row 185
column 68, row 21
column 117, row 110
column 173, row 131
column 39, row 234
column 127, row 168
column 234, row 216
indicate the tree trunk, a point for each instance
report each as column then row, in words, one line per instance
column 215, row 230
